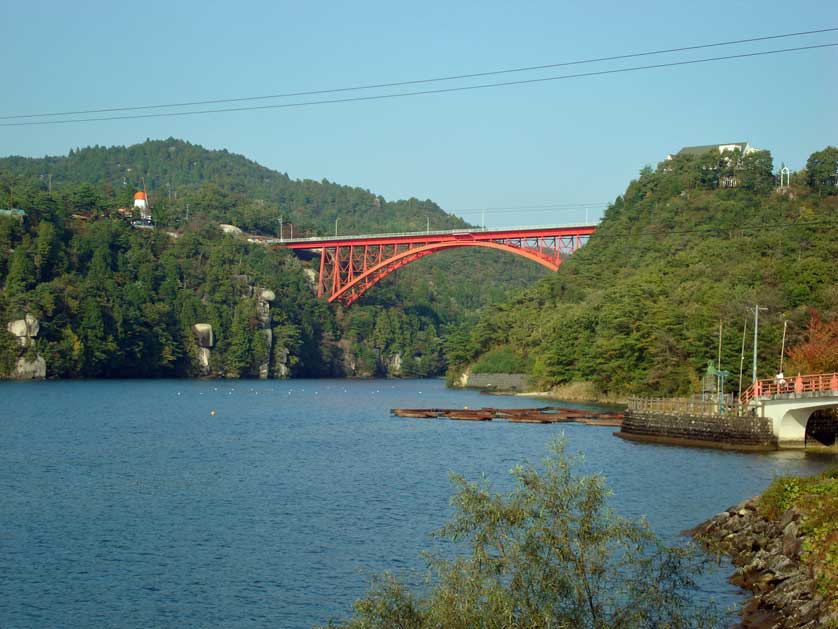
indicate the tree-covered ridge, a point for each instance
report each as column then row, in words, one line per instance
column 223, row 186
column 638, row 309
column 118, row 301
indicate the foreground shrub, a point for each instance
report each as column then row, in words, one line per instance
column 549, row 553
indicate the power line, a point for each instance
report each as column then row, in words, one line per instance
column 528, row 211
column 420, row 92
column 218, row 101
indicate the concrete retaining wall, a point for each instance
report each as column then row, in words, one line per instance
column 737, row 433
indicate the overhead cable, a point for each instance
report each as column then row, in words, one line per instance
column 416, row 93
column 218, row 101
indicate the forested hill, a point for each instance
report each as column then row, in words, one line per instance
column 224, row 186
column 112, row 300
column 638, row 309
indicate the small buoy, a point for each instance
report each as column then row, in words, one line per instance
column 212, row 413
column 465, row 408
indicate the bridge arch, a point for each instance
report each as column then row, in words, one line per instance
column 793, row 423
column 350, row 265
column 359, row 284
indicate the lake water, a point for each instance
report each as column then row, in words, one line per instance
column 128, row 503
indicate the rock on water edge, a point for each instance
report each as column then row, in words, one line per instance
column 766, row 554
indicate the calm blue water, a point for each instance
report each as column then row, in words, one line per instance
column 129, row 504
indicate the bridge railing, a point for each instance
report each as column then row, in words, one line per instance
column 443, row 232
column 811, row 383
column 679, row 406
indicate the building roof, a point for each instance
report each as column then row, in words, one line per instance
column 139, row 196
column 701, row 150
column 13, row 212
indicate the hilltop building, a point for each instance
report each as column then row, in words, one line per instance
column 728, row 179
column 696, row 151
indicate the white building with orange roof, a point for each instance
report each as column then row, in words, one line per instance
column 141, row 203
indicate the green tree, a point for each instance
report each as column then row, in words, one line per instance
column 757, row 172
column 548, row 553
column 239, row 357
column 47, row 250
column 20, row 280
column 822, row 170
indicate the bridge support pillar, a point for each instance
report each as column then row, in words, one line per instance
column 792, row 428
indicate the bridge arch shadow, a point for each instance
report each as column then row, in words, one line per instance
column 822, row 428
column 810, row 426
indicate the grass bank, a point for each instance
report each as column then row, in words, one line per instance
column 578, row 392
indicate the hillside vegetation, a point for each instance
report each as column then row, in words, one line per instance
column 115, row 301
column 638, row 309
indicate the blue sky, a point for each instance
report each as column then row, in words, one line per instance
column 563, row 142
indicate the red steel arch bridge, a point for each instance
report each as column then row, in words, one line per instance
column 351, row 265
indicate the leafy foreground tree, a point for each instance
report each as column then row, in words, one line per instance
column 549, row 553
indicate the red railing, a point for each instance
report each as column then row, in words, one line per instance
column 811, row 383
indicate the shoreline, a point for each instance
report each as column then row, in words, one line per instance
column 768, row 554
column 549, row 395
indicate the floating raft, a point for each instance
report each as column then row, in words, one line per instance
column 542, row 415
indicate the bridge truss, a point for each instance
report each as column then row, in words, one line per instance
column 350, row 266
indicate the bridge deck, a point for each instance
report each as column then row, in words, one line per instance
column 449, row 235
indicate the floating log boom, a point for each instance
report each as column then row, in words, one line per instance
column 542, row 415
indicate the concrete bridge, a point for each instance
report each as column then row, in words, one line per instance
column 790, row 404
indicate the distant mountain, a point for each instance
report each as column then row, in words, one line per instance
column 227, row 187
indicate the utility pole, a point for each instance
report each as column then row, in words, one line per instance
column 757, row 308
column 49, row 184
column 720, row 375
column 742, row 357
column 428, row 225
column 483, row 220
column 336, row 226
column 280, row 228
column 783, row 349
column 187, row 212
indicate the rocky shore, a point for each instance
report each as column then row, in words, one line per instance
column 767, row 556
